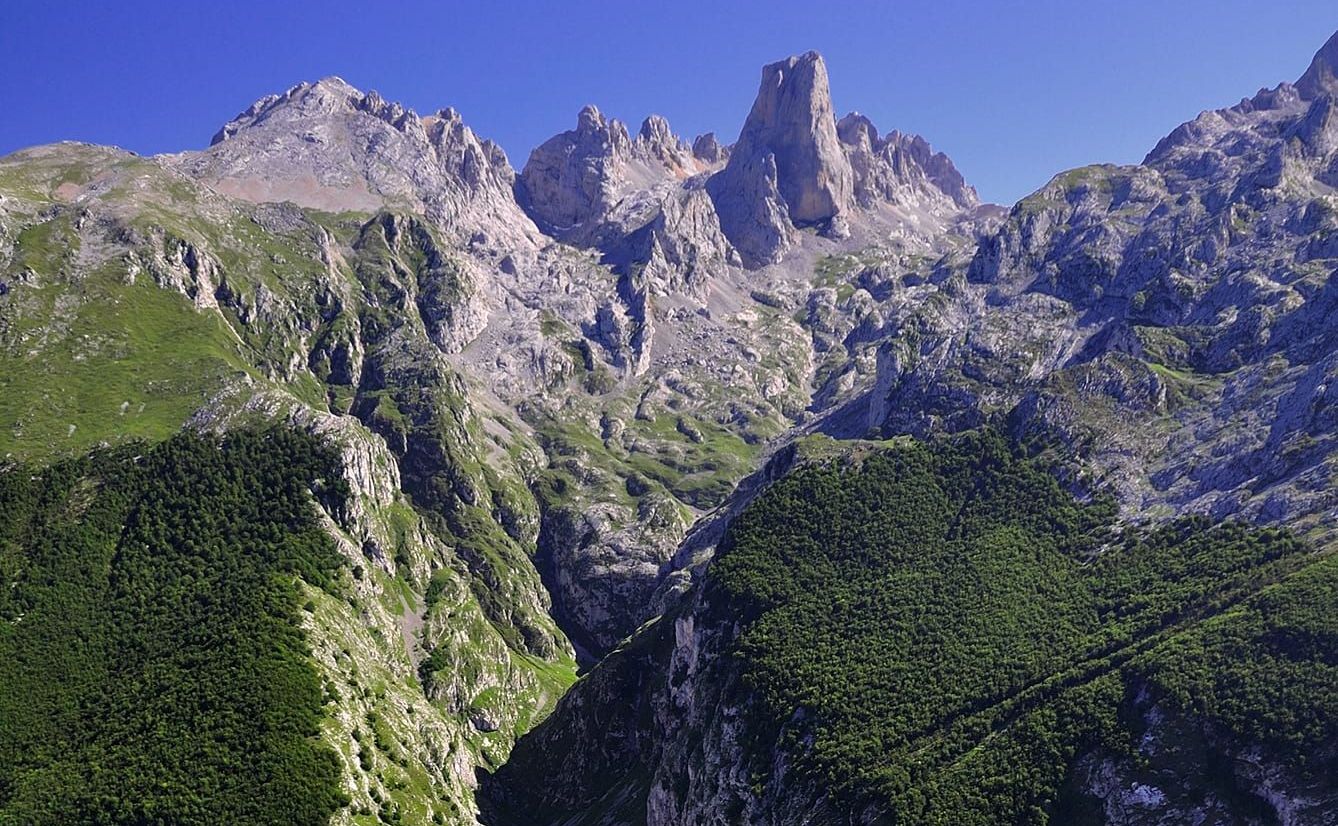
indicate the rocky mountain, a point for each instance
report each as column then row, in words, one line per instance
column 1169, row 324
column 1166, row 293
column 787, row 168
column 553, row 392
column 326, row 145
column 582, row 175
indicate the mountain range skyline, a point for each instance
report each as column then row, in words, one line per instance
column 1033, row 90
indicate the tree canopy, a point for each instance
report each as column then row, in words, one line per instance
column 152, row 669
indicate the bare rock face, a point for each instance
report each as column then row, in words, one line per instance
column 640, row 203
column 707, row 149
column 753, row 214
column 656, row 140
column 1322, row 76
column 683, row 244
column 573, row 177
column 900, row 168
column 329, row 146
column 788, row 144
column 792, row 119
column 578, row 181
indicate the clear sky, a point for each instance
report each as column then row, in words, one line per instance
column 1013, row 91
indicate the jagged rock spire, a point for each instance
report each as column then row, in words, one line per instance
column 792, row 119
column 789, row 147
column 1322, row 76
column 707, row 149
column 896, row 166
column 574, row 181
column 569, row 178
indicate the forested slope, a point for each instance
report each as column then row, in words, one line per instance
column 928, row 634
column 151, row 665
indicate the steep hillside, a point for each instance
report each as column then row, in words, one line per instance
column 939, row 634
column 137, row 302
column 154, row 669
column 1172, row 321
column 1166, row 330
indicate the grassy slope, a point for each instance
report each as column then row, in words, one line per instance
column 129, row 361
column 92, row 350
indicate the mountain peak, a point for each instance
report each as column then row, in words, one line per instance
column 590, row 119
column 789, row 148
column 1322, row 76
column 855, row 129
column 792, row 118
column 655, row 129
column 335, row 83
column 707, row 148
column 328, row 145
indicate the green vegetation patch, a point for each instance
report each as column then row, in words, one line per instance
column 932, row 630
column 151, row 665
column 96, row 359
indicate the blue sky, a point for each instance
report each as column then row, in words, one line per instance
column 1013, row 91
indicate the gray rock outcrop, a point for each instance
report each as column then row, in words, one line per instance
column 707, row 149
column 787, row 166
column 1321, row 78
column 330, row 146
column 900, row 167
column 576, row 181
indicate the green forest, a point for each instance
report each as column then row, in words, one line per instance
column 933, row 630
column 152, row 670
